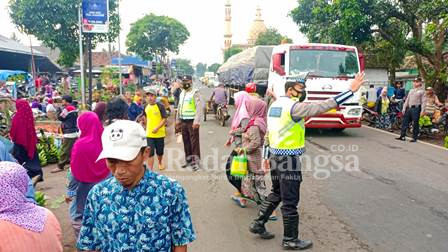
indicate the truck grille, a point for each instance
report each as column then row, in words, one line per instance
column 321, row 95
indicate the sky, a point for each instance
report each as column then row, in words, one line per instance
column 203, row 18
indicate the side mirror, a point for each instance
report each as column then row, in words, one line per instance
column 277, row 66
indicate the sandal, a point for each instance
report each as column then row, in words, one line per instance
column 239, row 201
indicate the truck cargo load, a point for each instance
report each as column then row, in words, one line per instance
column 250, row 65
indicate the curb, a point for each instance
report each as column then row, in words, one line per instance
column 394, row 134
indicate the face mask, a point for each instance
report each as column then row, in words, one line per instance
column 186, row 85
column 301, row 95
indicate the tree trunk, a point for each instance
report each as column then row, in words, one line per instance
column 392, row 76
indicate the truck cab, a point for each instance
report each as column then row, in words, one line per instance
column 330, row 68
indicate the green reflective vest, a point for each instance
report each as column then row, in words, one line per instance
column 187, row 105
column 283, row 132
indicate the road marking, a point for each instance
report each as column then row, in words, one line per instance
column 394, row 134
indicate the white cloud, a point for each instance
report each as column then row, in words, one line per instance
column 203, row 18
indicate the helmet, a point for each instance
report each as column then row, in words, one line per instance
column 251, row 87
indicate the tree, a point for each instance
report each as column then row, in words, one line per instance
column 201, row 68
column 55, row 23
column 420, row 27
column 381, row 53
column 231, row 51
column 214, row 67
column 14, row 37
column 183, row 66
column 271, row 37
column 155, row 35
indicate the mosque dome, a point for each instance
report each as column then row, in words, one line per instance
column 258, row 27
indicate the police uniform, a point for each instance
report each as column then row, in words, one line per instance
column 189, row 113
column 286, row 140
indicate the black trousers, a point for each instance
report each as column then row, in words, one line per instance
column 286, row 177
column 411, row 115
column 190, row 138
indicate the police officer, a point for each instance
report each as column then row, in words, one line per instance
column 189, row 114
column 286, row 140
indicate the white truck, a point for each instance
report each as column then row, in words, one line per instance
column 330, row 70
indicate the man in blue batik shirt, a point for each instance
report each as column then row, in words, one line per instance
column 136, row 210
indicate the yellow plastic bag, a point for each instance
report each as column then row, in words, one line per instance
column 238, row 167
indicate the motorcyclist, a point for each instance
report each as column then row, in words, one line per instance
column 219, row 97
column 399, row 95
column 251, row 88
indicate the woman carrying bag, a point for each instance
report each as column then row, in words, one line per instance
column 239, row 124
column 253, row 184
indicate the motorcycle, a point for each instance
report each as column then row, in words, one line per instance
column 369, row 115
column 396, row 116
column 222, row 114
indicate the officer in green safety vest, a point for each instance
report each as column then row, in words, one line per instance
column 189, row 116
column 286, row 142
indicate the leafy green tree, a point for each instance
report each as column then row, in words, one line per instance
column 271, row 37
column 231, row 51
column 155, row 35
column 214, row 68
column 416, row 26
column 183, row 66
column 55, row 23
column 201, row 68
column 381, row 53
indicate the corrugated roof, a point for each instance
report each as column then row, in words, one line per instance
column 9, row 45
column 131, row 60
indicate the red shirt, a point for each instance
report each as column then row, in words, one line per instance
column 38, row 83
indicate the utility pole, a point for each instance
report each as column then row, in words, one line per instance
column 119, row 53
column 33, row 64
column 81, row 59
column 89, row 41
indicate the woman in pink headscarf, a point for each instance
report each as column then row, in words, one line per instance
column 85, row 171
column 23, row 135
column 239, row 122
column 253, row 185
column 24, row 226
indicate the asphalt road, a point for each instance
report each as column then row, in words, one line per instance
column 362, row 191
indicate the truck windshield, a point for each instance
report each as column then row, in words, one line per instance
column 320, row 63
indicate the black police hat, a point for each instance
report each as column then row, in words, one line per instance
column 187, row 78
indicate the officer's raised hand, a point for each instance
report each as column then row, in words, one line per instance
column 358, row 82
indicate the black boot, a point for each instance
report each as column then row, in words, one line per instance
column 257, row 226
column 291, row 234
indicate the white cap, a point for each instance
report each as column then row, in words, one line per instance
column 122, row 140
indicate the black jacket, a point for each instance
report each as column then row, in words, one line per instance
column 69, row 122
